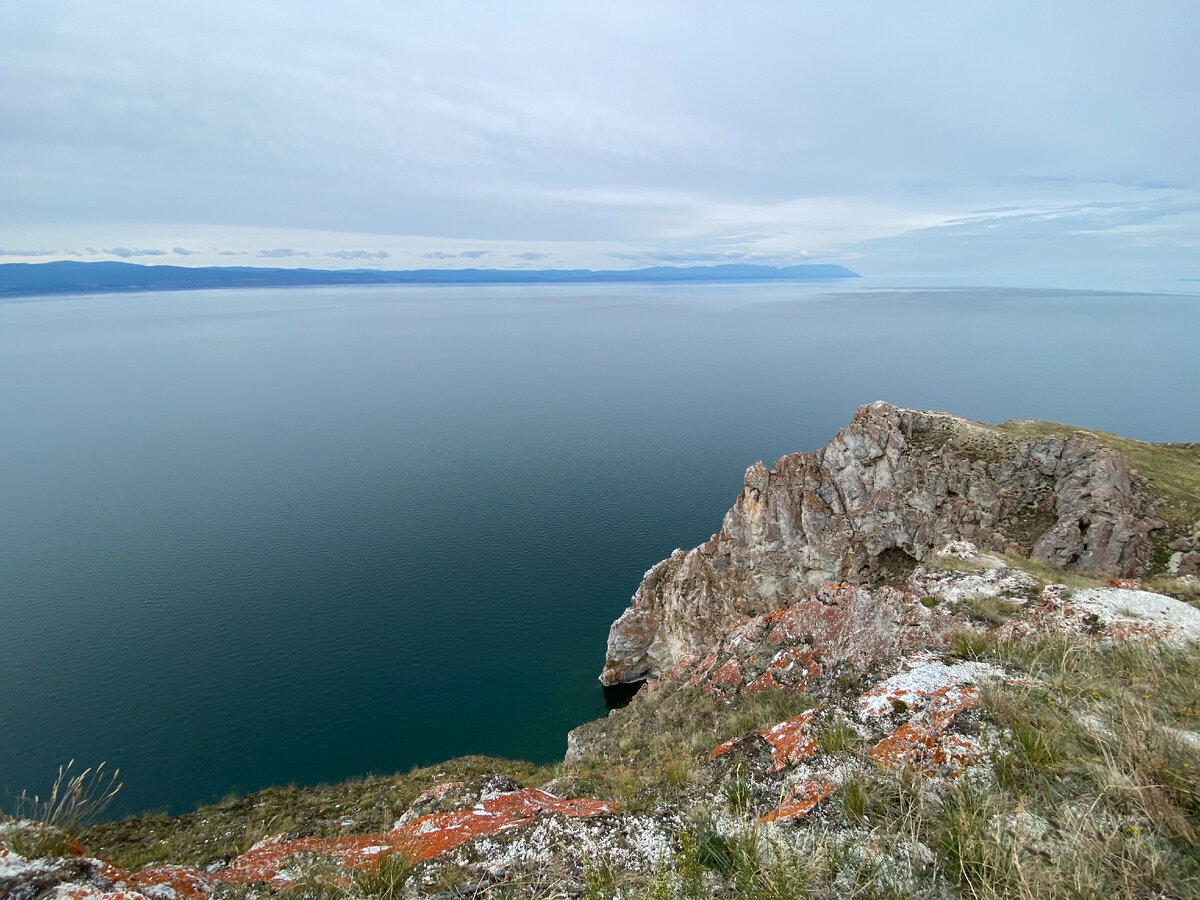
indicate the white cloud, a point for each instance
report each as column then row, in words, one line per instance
column 781, row 129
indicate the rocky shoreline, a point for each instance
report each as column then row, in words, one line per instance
column 934, row 659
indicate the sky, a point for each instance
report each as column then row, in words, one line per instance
column 995, row 142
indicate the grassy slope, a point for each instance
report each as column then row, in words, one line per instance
column 220, row 832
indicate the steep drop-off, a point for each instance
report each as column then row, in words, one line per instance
column 891, row 487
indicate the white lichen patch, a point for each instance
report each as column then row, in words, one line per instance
column 634, row 843
column 1178, row 622
column 922, row 676
column 996, row 580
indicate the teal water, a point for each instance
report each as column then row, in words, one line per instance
column 273, row 536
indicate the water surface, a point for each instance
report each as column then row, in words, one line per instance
column 272, row 536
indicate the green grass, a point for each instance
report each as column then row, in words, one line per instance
column 656, row 749
column 220, row 832
column 385, row 880
column 837, row 737
column 991, row 611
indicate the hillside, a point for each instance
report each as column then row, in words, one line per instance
column 936, row 658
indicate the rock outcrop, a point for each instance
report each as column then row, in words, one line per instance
column 890, row 488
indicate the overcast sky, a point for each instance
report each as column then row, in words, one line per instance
column 1002, row 142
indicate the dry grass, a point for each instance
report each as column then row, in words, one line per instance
column 74, row 802
column 225, row 830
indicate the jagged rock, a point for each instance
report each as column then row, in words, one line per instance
column 890, row 488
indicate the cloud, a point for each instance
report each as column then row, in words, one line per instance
column 231, row 252
column 472, row 145
column 4, row 252
column 126, row 253
column 677, row 256
column 180, row 251
column 280, row 253
column 475, row 254
column 358, row 254
column 1124, row 240
column 531, row 256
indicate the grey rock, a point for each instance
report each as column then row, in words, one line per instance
column 893, row 484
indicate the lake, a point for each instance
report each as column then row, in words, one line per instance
column 270, row 536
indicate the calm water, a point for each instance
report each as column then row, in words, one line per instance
column 257, row 537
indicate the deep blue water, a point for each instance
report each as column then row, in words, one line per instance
column 272, row 536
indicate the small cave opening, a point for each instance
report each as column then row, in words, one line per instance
column 892, row 567
column 619, row 695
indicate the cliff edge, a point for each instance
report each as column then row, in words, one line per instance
column 889, row 489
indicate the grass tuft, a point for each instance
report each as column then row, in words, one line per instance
column 74, row 802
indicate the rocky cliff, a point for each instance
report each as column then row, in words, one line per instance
column 843, row 708
column 890, row 488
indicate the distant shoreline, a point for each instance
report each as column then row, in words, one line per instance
column 68, row 277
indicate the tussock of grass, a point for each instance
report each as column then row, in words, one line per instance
column 1090, row 739
column 991, row 611
column 838, row 737
column 385, row 880
column 75, row 800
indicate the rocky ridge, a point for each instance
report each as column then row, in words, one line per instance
column 889, row 489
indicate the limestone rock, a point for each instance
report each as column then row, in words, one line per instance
column 891, row 488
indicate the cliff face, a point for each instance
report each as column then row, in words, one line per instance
column 890, row 488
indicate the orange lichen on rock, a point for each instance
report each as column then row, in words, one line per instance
column 185, row 882
column 89, row 892
column 703, row 668
column 724, row 747
column 685, row 662
column 729, row 675
column 106, row 882
column 787, row 660
column 422, row 838
column 791, row 740
column 799, row 801
column 923, row 740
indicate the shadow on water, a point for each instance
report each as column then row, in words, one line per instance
column 619, row 695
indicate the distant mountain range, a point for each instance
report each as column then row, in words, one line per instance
column 20, row 279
